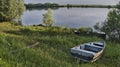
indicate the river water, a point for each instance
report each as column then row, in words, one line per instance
column 73, row 17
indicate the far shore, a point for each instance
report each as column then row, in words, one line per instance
column 53, row 5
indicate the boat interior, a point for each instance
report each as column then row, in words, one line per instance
column 93, row 47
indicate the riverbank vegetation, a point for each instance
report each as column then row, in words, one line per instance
column 53, row 49
column 111, row 25
column 11, row 10
column 48, row 19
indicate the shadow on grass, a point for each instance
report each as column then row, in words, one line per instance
column 48, row 36
column 49, row 32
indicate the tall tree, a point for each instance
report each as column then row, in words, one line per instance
column 11, row 9
column 111, row 25
column 48, row 19
column 118, row 5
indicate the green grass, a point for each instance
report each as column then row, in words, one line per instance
column 53, row 49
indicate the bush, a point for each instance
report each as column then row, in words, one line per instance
column 85, row 29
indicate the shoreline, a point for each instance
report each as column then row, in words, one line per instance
column 68, row 6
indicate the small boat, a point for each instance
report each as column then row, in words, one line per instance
column 88, row 52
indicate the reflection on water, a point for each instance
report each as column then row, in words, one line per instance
column 73, row 17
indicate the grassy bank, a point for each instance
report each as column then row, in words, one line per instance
column 53, row 49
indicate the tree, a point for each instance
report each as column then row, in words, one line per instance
column 111, row 25
column 48, row 19
column 11, row 9
column 118, row 5
column 97, row 26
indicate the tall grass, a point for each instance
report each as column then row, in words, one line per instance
column 53, row 49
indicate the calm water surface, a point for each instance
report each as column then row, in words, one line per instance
column 73, row 17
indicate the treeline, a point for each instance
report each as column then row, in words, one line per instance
column 40, row 6
column 89, row 6
column 31, row 5
column 56, row 5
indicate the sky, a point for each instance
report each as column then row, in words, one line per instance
column 110, row 2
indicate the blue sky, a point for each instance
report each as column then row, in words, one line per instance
column 75, row 1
